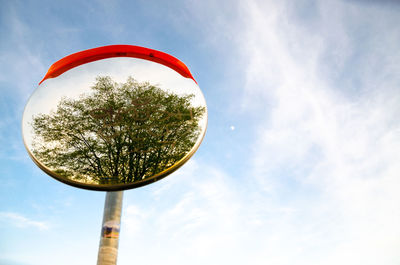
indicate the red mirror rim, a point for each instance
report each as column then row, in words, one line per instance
column 111, row 51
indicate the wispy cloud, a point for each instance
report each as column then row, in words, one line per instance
column 328, row 146
column 21, row 62
column 19, row 220
column 21, row 67
column 200, row 216
column 12, row 261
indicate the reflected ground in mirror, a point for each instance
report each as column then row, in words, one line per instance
column 114, row 133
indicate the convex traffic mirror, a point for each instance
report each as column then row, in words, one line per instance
column 114, row 118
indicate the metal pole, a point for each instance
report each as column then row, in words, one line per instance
column 108, row 249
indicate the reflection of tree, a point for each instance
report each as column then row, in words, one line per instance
column 121, row 133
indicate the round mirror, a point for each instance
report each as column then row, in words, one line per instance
column 114, row 118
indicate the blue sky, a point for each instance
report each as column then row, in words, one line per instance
column 300, row 163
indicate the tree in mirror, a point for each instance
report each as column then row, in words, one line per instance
column 119, row 133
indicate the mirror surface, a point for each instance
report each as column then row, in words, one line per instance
column 114, row 124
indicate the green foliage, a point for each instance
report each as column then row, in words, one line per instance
column 120, row 133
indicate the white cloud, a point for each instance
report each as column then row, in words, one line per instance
column 200, row 216
column 20, row 66
column 18, row 220
column 20, row 62
column 329, row 154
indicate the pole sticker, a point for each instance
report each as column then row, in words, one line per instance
column 110, row 229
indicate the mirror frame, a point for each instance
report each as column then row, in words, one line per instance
column 111, row 51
